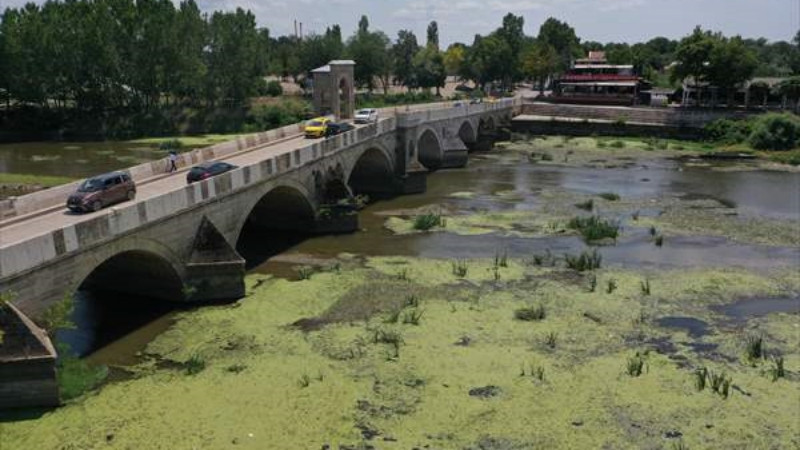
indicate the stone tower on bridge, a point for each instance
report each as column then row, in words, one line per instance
column 334, row 91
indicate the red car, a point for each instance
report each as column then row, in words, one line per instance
column 98, row 192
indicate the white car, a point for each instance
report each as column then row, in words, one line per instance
column 367, row 115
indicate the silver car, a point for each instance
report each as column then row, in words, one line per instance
column 366, row 115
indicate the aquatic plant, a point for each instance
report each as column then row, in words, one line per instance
column 412, row 301
column 304, row 272
column 550, row 339
column 754, row 347
column 402, row 275
column 659, row 240
column 236, row 368
column 496, row 273
column 700, row 377
column 635, row 365
column 544, row 258
column 610, row 196
column 425, row 222
column 501, row 260
column 538, row 373
column 412, row 317
column 588, row 205
column 195, row 364
column 585, row 261
column 75, row 376
column 304, row 381
column 645, row 286
column 460, row 268
column 594, row 228
column 777, row 370
column 530, row 314
column 393, row 316
column 593, row 283
column 617, row 144
column 611, row 286
column 719, row 383
column 547, row 156
column 635, row 216
column 653, row 231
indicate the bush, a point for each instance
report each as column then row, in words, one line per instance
column 274, row 89
column 427, row 221
column 530, row 314
column 727, row 131
column 775, row 132
column 267, row 117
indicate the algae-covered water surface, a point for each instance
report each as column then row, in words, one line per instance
column 594, row 298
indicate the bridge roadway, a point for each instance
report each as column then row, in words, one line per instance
column 48, row 219
column 38, row 224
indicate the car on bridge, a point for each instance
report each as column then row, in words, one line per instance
column 98, row 192
column 366, row 115
column 317, row 127
column 208, row 169
column 335, row 128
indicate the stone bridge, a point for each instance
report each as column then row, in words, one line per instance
column 184, row 242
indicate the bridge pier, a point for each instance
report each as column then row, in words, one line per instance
column 214, row 271
column 455, row 153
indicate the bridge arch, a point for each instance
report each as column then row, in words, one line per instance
column 372, row 173
column 430, row 151
column 277, row 220
column 140, row 267
column 467, row 133
column 486, row 125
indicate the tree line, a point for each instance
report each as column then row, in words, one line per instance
column 100, row 55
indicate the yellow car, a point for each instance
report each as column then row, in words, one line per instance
column 316, row 128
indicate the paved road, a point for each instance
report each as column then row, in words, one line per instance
column 50, row 221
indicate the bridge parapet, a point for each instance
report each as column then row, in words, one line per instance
column 16, row 258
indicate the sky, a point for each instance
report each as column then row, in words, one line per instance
column 459, row 20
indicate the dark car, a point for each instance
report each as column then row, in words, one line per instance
column 335, row 128
column 207, row 170
column 98, row 192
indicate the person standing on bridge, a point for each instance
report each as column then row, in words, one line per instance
column 173, row 160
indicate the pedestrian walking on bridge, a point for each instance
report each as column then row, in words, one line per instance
column 173, row 160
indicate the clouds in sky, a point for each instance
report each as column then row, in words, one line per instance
column 460, row 20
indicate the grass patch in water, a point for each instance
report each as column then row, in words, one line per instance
column 594, row 228
column 427, row 221
column 33, row 180
column 610, row 196
column 585, row 261
column 76, row 376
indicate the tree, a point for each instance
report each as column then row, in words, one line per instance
column 486, row 59
column 403, row 53
column 433, row 35
column 562, row 38
column 790, row 89
column 370, row 50
column 730, row 64
column 429, row 68
column 512, row 33
column 692, row 55
column 454, row 58
column 539, row 60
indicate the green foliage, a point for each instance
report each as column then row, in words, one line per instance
column 404, row 98
column 700, row 377
column 775, row 132
column 594, row 228
column 588, row 205
column 75, row 375
column 659, row 240
column 195, row 364
column 276, row 115
column 273, row 88
column 719, row 383
column 412, row 316
column 371, row 50
column 427, row 221
column 59, row 315
column 585, row 261
column 754, row 347
column 777, row 370
column 728, row 131
column 501, row 259
column 304, row 272
column 645, row 286
column 617, row 144
column 460, row 268
column 635, row 365
column 530, row 314
column 550, row 339
column 170, row 144
column 611, row 286
column 610, row 196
